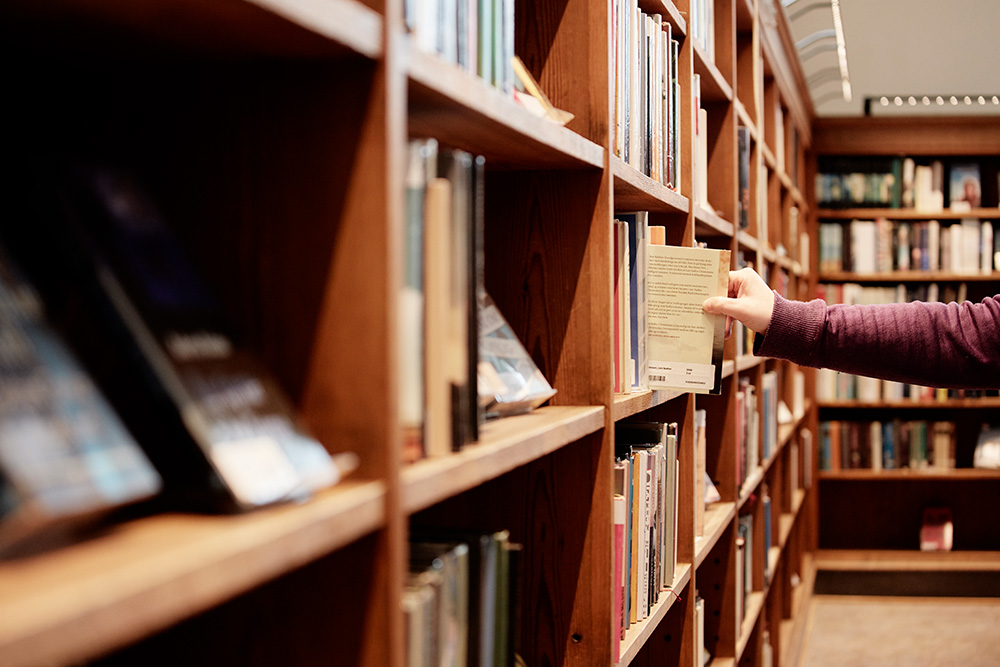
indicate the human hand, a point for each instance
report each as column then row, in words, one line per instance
column 750, row 301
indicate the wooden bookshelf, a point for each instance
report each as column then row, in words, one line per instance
column 276, row 132
column 866, row 542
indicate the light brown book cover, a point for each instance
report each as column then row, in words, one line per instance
column 685, row 343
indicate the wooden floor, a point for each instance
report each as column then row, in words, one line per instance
column 887, row 626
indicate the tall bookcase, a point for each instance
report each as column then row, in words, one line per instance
column 850, row 539
column 275, row 132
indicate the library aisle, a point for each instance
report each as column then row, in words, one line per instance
column 902, row 630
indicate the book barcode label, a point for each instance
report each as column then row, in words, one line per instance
column 684, row 376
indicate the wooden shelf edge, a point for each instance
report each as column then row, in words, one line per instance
column 465, row 112
column 504, row 444
column 714, row 86
column 906, row 474
column 145, row 575
column 638, row 192
column 626, row 405
column 754, row 606
column 639, row 633
column 984, row 402
column 707, row 218
column 347, row 22
column 876, row 560
column 270, row 28
column 904, row 213
column 794, row 629
column 905, row 277
column 717, row 517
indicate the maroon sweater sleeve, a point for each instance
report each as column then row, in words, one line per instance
column 954, row 345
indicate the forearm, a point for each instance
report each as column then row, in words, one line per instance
column 935, row 344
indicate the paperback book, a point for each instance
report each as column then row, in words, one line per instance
column 685, row 345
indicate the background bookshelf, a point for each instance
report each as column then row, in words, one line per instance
column 848, row 538
column 275, row 132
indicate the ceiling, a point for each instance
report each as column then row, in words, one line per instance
column 901, row 48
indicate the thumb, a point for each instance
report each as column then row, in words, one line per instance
column 720, row 305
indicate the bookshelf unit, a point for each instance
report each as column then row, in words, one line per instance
column 274, row 132
column 853, row 539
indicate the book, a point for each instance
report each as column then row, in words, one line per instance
column 509, row 382
column 449, row 561
column 619, row 614
column 936, row 529
column 743, row 171
column 685, row 344
column 965, row 187
column 65, row 455
column 638, row 239
column 421, row 163
column 217, row 426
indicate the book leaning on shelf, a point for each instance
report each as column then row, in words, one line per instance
column 216, row 425
column 65, row 455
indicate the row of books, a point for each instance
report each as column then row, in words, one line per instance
column 645, row 519
column 702, row 26
column 899, row 182
column 477, row 35
column 881, row 246
column 461, row 600
column 438, row 318
column 646, row 93
column 856, row 293
column 120, row 377
column 460, row 361
column 837, row 386
column 834, row 385
column 886, row 445
column 662, row 337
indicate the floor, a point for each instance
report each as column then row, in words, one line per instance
column 927, row 629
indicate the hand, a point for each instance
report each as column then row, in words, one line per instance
column 750, row 301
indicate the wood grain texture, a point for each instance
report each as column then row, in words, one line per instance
column 907, row 136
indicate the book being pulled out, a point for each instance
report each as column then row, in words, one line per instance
column 509, row 381
column 213, row 421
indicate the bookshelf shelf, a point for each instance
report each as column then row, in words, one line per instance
column 634, row 191
column 638, row 634
column 911, row 475
column 712, row 224
column 714, row 87
column 462, row 111
column 870, row 542
column 905, row 213
column 627, row 405
column 755, row 605
column 144, row 575
column 277, row 132
column 988, row 402
column 718, row 516
column 881, row 560
column 907, row 277
column 504, row 444
column 281, row 28
column 669, row 12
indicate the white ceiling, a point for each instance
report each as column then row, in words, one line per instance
column 904, row 48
